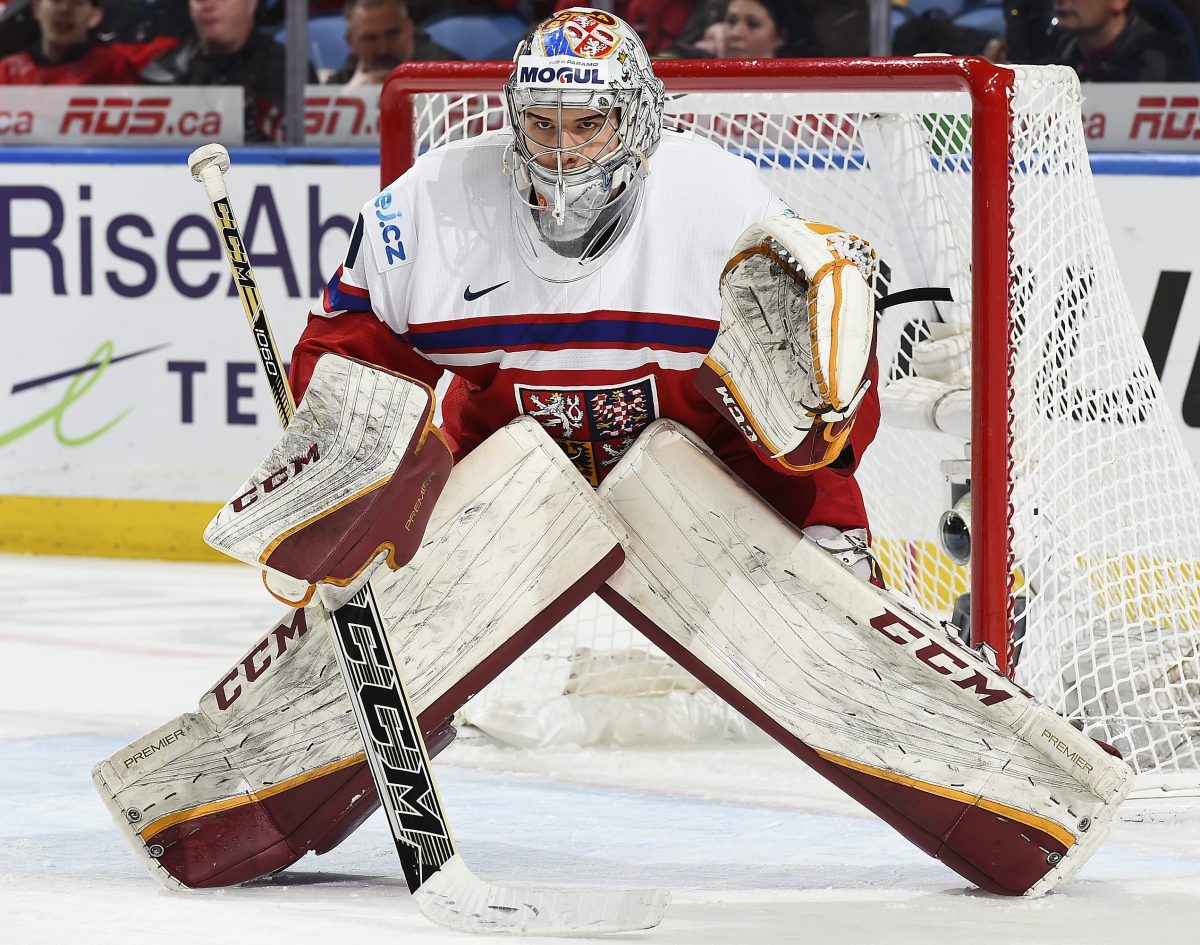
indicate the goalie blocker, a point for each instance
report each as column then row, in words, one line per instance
column 870, row 693
column 356, row 474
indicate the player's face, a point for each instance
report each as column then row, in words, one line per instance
column 380, row 37
column 588, row 134
column 223, row 26
column 750, row 31
column 65, row 22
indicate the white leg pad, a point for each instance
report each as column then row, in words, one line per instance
column 877, row 697
column 271, row 763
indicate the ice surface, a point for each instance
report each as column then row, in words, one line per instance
column 754, row 847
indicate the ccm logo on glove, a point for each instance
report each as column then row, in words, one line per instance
column 736, row 415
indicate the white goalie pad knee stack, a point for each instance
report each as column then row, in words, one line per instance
column 534, row 528
column 875, row 696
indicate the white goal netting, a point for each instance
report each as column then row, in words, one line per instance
column 1104, row 518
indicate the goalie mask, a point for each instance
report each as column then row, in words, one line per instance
column 586, row 112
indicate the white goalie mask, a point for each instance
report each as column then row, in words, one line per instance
column 579, row 161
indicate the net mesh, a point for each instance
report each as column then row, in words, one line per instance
column 1105, row 522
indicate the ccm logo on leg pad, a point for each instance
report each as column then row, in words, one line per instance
column 939, row 659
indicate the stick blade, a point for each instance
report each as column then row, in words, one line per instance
column 456, row 898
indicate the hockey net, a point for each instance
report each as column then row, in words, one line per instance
column 1085, row 568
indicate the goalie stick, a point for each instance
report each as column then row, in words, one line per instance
column 445, row 890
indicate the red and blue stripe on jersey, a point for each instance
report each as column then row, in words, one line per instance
column 588, row 330
column 341, row 296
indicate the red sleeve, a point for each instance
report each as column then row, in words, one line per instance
column 100, row 65
column 358, row 335
column 141, row 55
column 114, row 68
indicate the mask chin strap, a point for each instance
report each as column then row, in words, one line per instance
column 552, row 205
column 611, row 181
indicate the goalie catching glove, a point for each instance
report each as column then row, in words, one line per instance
column 792, row 359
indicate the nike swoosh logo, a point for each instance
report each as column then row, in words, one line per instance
column 470, row 296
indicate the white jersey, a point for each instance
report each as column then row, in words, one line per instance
column 437, row 258
column 441, row 245
column 436, row 278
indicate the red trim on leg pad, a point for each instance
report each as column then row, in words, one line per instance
column 261, row 836
column 245, row 841
column 364, row 800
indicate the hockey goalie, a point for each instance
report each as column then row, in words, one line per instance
column 663, row 381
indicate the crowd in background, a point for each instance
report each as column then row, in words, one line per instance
column 357, row 42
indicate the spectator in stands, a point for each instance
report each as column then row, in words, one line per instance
column 530, row 10
column 704, row 14
column 228, row 50
column 1106, row 41
column 759, row 29
column 827, row 27
column 18, row 28
column 66, row 51
column 660, row 23
column 381, row 35
column 840, row 28
column 1028, row 34
column 143, row 21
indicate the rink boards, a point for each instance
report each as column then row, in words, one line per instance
column 133, row 404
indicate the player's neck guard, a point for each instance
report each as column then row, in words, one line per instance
column 600, row 209
column 557, row 257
